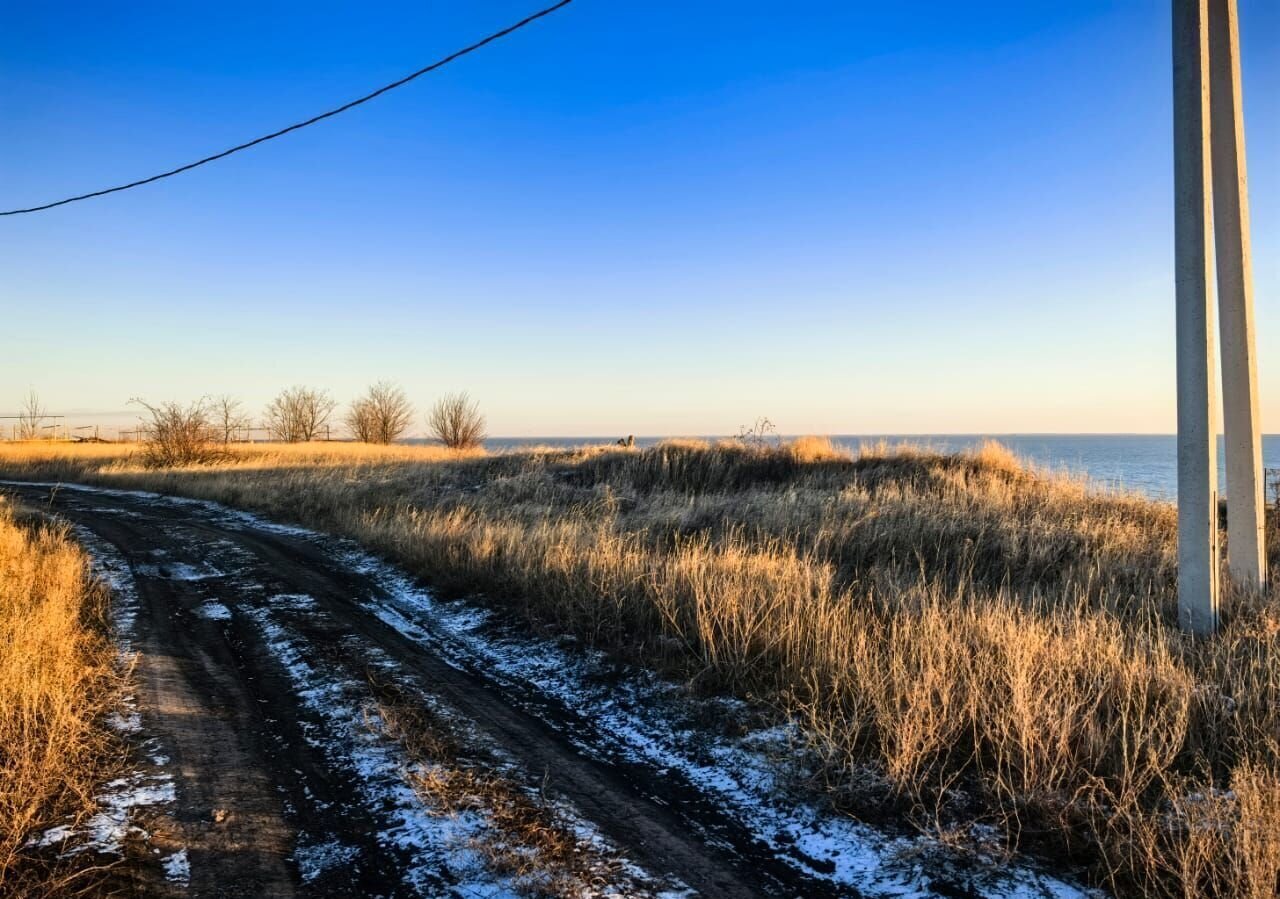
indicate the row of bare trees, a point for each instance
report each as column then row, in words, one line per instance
column 198, row 432
column 383, row 414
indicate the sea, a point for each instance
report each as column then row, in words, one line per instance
column 1145, row 463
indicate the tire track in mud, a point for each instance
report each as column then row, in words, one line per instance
column 251, row 638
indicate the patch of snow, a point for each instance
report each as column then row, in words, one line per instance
column 180, row 571
column 113, row 570
column 177, row 868
column 106, row 830
column 296, row 602
column 126, row 720
column 316, row 858
column 214, row 611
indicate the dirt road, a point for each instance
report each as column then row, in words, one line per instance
column 261, row 655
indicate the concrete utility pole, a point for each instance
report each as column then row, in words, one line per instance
column 1197, row 392
column 1209, row 175
column 1245, row 547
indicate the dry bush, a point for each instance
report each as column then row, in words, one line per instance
column 178, row 434
column 299, row 414
column 382, row 415
column 455, row 420
column 962, row 637
column 57, row 680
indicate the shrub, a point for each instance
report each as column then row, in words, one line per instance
column 382, row 415
column 178, row 434
column 456, row 421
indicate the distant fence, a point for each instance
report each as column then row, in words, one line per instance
column 233, row 435
column 55, row 430
column 12, row 427
column 1271, row 477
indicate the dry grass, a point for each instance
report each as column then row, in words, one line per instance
column 987, row 642
column 57, row 679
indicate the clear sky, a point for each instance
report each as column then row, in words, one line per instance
column 660, row 217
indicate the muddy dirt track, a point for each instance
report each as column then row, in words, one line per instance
column 256, row 648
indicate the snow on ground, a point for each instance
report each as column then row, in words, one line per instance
column 642, row 718
column 645, row 718
column 177, row 868
column 427, row 842
column 214, row 611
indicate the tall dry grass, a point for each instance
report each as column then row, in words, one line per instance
column 57, row 680
column 963, row 638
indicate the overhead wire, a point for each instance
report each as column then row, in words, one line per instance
column 440, row 63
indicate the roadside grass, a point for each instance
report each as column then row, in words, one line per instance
column 965, row 639
column 58, row 679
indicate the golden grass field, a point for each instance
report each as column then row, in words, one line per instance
column 963, row 639
column 57, row 681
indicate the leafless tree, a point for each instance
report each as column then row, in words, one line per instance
column 178, row 434
column 299, row 414
column 31, row 416
column 456, row 420
column 228, row 417
column 382, row 415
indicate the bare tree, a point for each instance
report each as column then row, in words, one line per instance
column 382, row 415
column 299, row 414
column 31, row 416
column 178, row 434
column 456, row 420
column 228, row 417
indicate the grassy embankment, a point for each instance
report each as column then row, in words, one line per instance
column 57, row 681
column 964, row 639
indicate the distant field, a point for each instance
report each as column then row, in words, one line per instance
column 965, row 640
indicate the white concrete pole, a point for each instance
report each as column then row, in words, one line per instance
column 1197, row 390
column 1245, row 545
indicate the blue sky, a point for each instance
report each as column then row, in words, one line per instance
column 629, row 218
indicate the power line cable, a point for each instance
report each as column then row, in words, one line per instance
column 497, row 35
